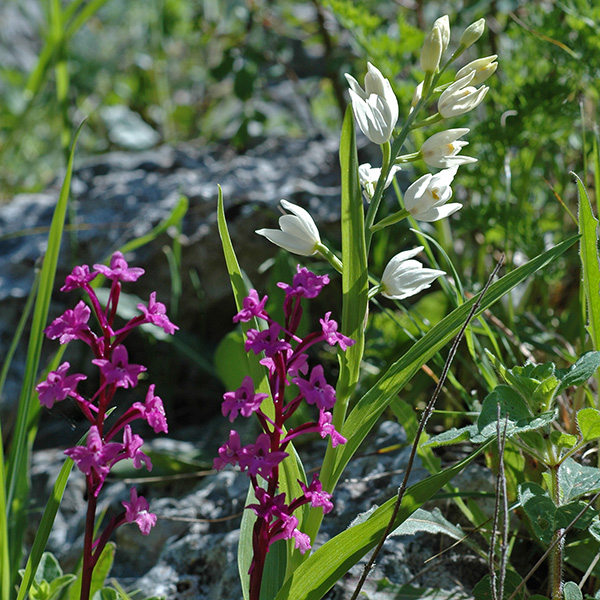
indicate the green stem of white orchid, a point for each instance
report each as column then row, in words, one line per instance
column 333, row 260
column 390, row 220
column 428, row 121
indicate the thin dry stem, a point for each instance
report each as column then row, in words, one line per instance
column 424, row 418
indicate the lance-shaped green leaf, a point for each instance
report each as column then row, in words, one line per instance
column 369, row 408
column 588, row 252
column 354, row 276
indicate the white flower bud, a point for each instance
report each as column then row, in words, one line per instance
column 443, row 24
column 431, row 53
column 441, row 149
column 459, row 97
column 472, row 33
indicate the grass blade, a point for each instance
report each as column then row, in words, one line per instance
column 18, row 459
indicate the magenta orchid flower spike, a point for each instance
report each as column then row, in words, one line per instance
column 101, row 450
column 285, row 356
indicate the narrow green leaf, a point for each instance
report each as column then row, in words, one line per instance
column 355, row 276
column 588, row 252
column 369, row 408
column 45, row 527
column 17, row 483
column 314, row 577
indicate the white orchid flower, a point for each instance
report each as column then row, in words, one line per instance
column 297, row 234
column 426, row 199
column 375, row 107
column 484, row 68
column 404, row 277
column 369, row 176
column 460, row 97
column 441, row 149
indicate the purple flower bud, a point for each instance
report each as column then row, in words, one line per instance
column 131, row 446
column 258, row 458
column 332, row 337
column 229, row 452
column 267, row 341
column 153, row 411
column 327, row 429
column 96, row 456
column 316, row 495
column 78, row 278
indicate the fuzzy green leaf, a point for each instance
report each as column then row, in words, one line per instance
column 577, row 480
column 588, row 421
column 579, row 372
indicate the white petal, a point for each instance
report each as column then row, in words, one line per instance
column 288, row 242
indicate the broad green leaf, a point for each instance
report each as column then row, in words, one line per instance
column 580, row 372
column 537, row 383
column 588, row 422
column 545, row 516
column 571, row 591
column 106, row 594
column 483, row 590
column 515, row 416
column 369, row 408
column 231, row 360
column 588, row 252
column 315, row 576
column 101, row 571
column 561, row 440
column 577, row 480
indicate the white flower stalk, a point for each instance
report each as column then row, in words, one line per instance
column 426, row 199
column 441, row 149
column 460, row 97
column 472, row 33
column 404, row 277
column 297, row 234
column 369, row 176
column 375, row 107
column 483, row 68
column 431, row 53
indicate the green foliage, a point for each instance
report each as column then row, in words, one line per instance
column 49, row 580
